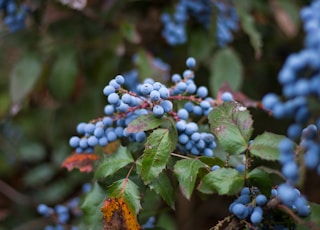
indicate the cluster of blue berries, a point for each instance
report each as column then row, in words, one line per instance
column 150, row 97
column 174, row 30
column 14, row 15
column 292, row 198
column 300, row 80
column 253, row 205
column 249, row 203
column 61, row 214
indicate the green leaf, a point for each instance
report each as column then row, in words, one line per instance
column 232, row 125
column 129, row 31
column 24, row 76
column 143, row 64
column 144, row 123
column 266, row 146
column 313, row 220
column 156, row 154
column 211, row 161
column 39, row 175
column 260, row 179
column 62, row 80
column 91, row 207
column 186, row 171
column 113, row 163
column 162, row 186
column 248, row 26
column 224, row 181
column 225, row 67
column 200, row 45
column 128, row 190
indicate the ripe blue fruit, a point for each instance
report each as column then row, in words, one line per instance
column 261, row 200
column 158, row 111
column 74, row 141
column 154, row 95
column 202, row 92
column 191, row 62
column 256, row 217
column 113, row 98
column 166, row 105
column 108, row 90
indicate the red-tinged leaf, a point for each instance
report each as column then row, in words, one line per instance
column 81, row 161
column 118, row 216
column 238, row 96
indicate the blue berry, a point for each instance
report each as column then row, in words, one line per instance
column 256, row 217
column 93, row 141
column 164, row 93
column 74, row 141
column 126, row 98
column 191, row 62
column 146, row 89
column 111, row 136
column 158, row 111
column 108, row 109
column 183, row 114
column 113, row 98
column 227, row 96
column 261, row 200
column 119, row 79
column 80, row 128
column 154, row 95
column 215, row 167
column 108, row 90
column 89, row 128
column 202, row 92
column 176, row 78
column 191, row 88
column 166, row 105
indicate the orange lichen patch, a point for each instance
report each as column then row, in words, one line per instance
column 111, row 147
column 118, row 216
column 81, row 161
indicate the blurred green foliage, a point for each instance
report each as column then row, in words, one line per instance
column 53, row 72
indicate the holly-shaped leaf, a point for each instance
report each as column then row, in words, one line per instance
column 144, row 123
column 266, row 146
column 186, row 171
column 162, row 186
column 224, row 181
column 156, row 154
column 81, row 161
column 127, row 190
column 113, row 163
column 232, row 125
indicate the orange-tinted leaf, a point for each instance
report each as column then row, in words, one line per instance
column 118, row 216
column 111, row 147
column 81, row 161
column 238, row 96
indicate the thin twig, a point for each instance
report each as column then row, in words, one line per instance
column 13, row 195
